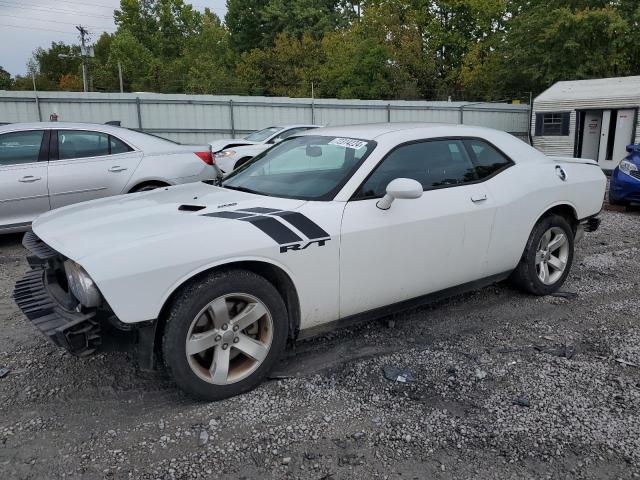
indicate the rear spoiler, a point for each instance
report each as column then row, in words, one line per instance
column 587, row 161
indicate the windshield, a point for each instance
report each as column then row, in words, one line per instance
column 306, row 168
column 262, row 135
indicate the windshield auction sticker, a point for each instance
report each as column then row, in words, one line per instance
column 348, row 143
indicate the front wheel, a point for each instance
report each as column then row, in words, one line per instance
column 147, row 187
column 224, row 333
column 547, row 257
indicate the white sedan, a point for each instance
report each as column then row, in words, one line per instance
column 231, row 153
column 333, row 225
column 48, row 165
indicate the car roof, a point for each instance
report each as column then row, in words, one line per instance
column 371, row 131
column 63, row 125
column 296, row 125
column 138, row 139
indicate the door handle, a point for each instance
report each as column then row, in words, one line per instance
column 117, row 168
column 29, row 179
column 478, row 198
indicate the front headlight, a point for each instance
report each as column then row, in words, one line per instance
column 627, row 167
column 226, row 153
column 81, row 285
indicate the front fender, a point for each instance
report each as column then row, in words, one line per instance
column 137, row 279
column 223, row 263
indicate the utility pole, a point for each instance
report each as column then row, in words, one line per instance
column 120, row 76
column 85, row 74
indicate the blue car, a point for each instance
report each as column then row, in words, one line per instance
column 625, row 180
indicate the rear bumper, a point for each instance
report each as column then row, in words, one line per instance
column 77, row 332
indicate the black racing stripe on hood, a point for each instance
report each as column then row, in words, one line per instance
column 231, row 215
column 272, row 227
column 258, row 210
column 304, row 224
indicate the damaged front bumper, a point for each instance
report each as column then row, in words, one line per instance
column 77, row 332
column 590, row 224
column 44, row 297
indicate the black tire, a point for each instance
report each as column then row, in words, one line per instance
column 525, row 275
column 147, row 187
column 192, row 299
column 617, row 202
column 241, row 162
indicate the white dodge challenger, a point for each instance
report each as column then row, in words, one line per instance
column 336, row 224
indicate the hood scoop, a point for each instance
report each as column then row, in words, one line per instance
column 191, row 208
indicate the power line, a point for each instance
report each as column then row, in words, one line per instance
column 57, row 21
column 45, row 9
column 37, row 28
column 101, row 5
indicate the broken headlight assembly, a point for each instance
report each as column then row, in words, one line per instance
column 81, row 285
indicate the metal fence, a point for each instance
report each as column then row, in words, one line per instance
column 202, row 118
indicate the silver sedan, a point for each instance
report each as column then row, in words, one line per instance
column 44, row 166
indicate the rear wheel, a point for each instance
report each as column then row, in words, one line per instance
column 617, row 202
column 224, row 333
column 547, row 257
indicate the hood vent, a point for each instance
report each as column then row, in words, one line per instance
column 190, row 208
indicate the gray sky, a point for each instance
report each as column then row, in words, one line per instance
column 28, row 24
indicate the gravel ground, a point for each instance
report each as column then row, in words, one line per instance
column 506, row 386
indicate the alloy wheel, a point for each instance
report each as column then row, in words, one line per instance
column 229, row 338
column 552, row 255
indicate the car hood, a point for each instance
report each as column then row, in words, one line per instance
column 223, row 143
column 102, row 227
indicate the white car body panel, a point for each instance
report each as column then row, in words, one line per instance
column 228, row 163
column 133, row 229
column 139, row 249
column 452, row 240
column 243, row 148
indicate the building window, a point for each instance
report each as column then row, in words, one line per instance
column 552, row 124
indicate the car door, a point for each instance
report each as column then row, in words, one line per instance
column 88, row 164
column 421, row 245
column 23, row 177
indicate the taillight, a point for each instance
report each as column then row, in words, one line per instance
column 206, row 157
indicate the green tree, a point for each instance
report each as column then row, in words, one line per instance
column 58, row 60
column 542, row 46
column 210, row 60
column 256, row 24
column 358, row 67
column 286, row 69
column 139, row 66
column 162, row 26
column 5, row 79
column 244, row 21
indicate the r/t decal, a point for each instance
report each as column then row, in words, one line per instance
column 303, row 246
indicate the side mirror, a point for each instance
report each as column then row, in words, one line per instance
column 400, row 188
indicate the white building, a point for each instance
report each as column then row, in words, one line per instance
column 594, row 119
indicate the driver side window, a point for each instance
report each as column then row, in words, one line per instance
column 435, row 164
